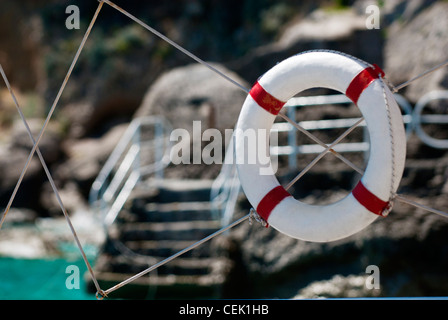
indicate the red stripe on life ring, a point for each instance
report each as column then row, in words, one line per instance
column 270, row 201
column 370, row 201
column 362, row 81
column 265, row 100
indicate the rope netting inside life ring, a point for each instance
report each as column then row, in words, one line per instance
column 252, row 215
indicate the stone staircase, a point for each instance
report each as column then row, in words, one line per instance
column 155, row 223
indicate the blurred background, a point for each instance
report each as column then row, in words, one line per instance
column 125, row 73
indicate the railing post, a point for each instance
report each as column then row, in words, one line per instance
column 292, row 140
column 136, row 141
column 160, row 147
column 366, row 138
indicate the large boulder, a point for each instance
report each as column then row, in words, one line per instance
column 13, row 157
column 193, row 99
column 417, row 45
column 195, row 93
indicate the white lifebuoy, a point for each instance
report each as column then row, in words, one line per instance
column 360, row 82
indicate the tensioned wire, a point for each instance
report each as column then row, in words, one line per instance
column 36, row 143
column 328, row 148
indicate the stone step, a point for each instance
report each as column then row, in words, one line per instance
column 154, row 248
column 159, row 220
column 184, row 190
column 166, row 248
column 175, row 211
column 184, row 230
column 172, row 190
column 179, row 266
column 160, row 287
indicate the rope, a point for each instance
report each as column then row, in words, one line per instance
column 323, row 153
column 323, row 144
column 388, row 209
column 421, row 206
column 404, row 84
column 135, row 257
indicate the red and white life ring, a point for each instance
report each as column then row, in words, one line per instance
column 360, row 82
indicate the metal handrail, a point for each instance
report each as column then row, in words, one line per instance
column 292, row 149
column 125, row 167
column 226, row 187
column 419, row 119
column 114, row 185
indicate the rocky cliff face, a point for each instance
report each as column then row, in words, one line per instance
column 124, row 72
column 423, row 41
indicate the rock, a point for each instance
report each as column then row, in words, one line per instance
column 323, row 25
column 12, row 162
column 86, row 158
column 44, row 238
column 49, row 145
column 278, row 266
column 22, row 44
column 24, row 242
column 96, row 117
column 403, row 10
column 20, row 216
column 13, row 159
column 195, row 93
column 352, row 286
column 342, row 30
column 71, row 196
